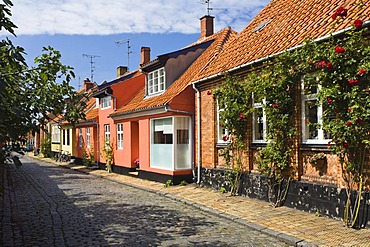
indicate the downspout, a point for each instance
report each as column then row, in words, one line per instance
column 98, row 143
column 198, row 134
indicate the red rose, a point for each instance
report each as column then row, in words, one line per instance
column 358, row 23
column 345, row 144
column 209, row 92
column 359, row 121
column 329, row 65
column 361, row 71
column 330, row 100
column 321, row 64
column 329, row 144
column 349, row 123
column 241, row 115
column 275, row 105
column 353, row 82
column 222, row 125
column 225, row 138
column 339, row 50
column 342, row 12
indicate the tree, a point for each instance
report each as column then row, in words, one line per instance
column 28, row 95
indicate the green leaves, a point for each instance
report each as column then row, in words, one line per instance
column 28, row 95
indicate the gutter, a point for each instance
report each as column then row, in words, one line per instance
column 198, row 134
column 323, row 38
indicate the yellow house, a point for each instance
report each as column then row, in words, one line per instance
column 68, row 139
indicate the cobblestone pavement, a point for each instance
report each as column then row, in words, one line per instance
column 46, row 205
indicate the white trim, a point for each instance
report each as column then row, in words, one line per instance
column 156, row 82
column 264, row 121
column 320, row 132
column 106, row 102
column 119, row 128
column 88, row 136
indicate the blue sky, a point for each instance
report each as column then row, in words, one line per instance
column 92, row 27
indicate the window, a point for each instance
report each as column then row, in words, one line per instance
column 223, row 134
column 163, row 131
column 107, row 133
column 156, row 81
column 68, row 137
column 105, row 102
column 88, row 137
column 80, row 140
column 55, row 137
column 170, row 146
column 119, row 136
column 312, row 113
column 259, row 122
column 64, row 137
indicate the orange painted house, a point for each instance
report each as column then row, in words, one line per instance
column 158, row 122
column 110, row 96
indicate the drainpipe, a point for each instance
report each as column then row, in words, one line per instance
column 198, row 133
column 98, row 143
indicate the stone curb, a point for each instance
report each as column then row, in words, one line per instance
column 281, row 236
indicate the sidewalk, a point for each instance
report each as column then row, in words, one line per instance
column 292, row 226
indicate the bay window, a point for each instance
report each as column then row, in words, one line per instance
column 170, row 147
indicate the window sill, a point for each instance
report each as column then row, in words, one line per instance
column 222, row 144
column 314, row 147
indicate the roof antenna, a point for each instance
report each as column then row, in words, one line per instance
column 92, row 67
column 122, row 41
column 208, row 2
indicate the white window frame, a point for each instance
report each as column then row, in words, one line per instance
column 106, row 133
column 221, row 131
column 320, row 132
column 88, row 137
column 156, row 81
column 119, row 136
column 105, row 102
column 264, row 119
column 55, row 138
column 80, row 139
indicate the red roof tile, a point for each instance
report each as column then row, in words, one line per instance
column 292, row 23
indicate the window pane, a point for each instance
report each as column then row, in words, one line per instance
column 311, row 119
column 258, row 124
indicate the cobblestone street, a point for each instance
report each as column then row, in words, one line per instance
column 46, row 205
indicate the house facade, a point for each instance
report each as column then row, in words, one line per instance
column 280, row 26
column 158, row 123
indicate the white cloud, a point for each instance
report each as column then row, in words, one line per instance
column 127, row 16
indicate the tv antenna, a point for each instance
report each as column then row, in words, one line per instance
column 208, row 2
column 92, row 62
column 127, row 41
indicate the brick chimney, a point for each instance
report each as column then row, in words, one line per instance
column 121, row 70
column 206, row 26
column 88, row 84
column 145, row 55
